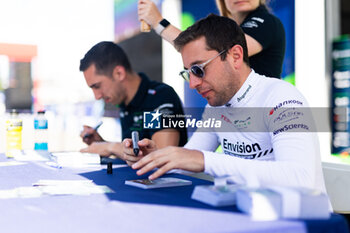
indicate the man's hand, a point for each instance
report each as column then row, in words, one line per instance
column 89, row 135
column 170, row 158
column 146, row 146
column 102, row 148
column 149, row 12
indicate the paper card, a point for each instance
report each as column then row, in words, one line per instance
column 158, row 183
column 71, row 187
column 11, row 163
column 77, row 159
column 8, row 193
column 31, row 155
column 28, row 192
column 62, row 182
column 75, row 190
column 20, row 192
column 55, row 187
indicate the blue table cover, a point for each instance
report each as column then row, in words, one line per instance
column 154, row 210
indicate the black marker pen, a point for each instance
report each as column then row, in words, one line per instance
column 135, row 140
column 90, row 135
column 109, row 168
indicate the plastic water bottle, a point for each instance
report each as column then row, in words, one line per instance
column 40, row 131
column 13, row 134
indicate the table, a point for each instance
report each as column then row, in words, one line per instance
column 129, row 209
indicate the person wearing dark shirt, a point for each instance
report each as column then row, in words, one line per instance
column 264, row 32
column 108, row 73
column 150, row 96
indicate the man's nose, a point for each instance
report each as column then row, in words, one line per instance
column 195, row 81
column 98, row 94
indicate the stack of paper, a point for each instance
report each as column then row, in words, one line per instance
column 282, row 202
column 219, row 195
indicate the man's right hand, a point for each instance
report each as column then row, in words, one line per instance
column 146, row 146
column 149, row 12
column 89, row 135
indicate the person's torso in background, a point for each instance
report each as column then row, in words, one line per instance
column 268, row 30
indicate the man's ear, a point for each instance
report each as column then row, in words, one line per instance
column 119, row 73
column 236, row 52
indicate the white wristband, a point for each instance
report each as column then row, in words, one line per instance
column 161, row 26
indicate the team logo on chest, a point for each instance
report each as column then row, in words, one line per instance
column 244, row 150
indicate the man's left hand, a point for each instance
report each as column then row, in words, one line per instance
column 101, row 148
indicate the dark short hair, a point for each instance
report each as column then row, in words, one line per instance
column 220, row 33
column 105, row 56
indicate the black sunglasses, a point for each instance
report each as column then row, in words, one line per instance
column 197, row 69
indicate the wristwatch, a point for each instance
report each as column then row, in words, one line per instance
column 161, row 26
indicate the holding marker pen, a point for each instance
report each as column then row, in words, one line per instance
column 135, row 140
column 89, row 135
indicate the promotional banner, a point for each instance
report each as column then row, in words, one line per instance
column 341, row 95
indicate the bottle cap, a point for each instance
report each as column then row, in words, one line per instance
column 145, row 27
column 13, row 112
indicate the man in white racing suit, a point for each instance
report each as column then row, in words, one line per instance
column 266, row 130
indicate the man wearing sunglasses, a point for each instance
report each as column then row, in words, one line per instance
column 259, row 148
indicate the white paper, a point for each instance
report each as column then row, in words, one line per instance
column 70, row 187
column 30, row 155
column 11, row 163
column 77, row 159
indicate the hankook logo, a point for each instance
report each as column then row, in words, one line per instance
column 285, row 103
